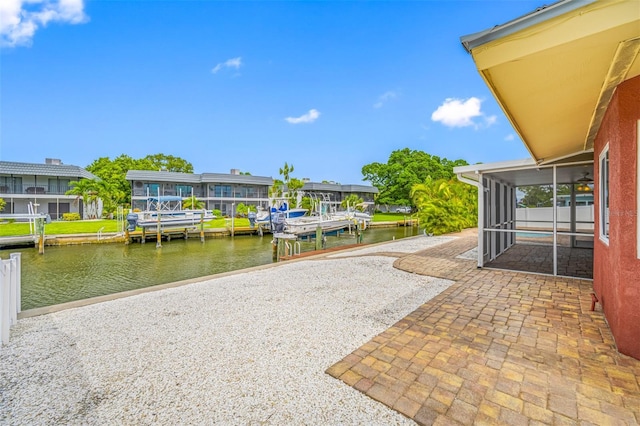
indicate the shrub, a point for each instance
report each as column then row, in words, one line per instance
column 71, row 216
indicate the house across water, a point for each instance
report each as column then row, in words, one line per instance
column 221, row 191
column 41, row 185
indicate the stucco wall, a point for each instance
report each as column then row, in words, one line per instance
column 616, row 266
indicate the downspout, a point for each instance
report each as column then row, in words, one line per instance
column 467, row 180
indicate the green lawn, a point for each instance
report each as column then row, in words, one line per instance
column 390, row 217
column 62, row 227
column 93, row 226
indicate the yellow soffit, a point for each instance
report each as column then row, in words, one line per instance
column 625, row 65
column 592, row 19
column 555, row 79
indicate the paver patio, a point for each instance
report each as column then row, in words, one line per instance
column 497, row 347
column 572, row 262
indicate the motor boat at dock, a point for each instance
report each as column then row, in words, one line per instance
column 166, row 212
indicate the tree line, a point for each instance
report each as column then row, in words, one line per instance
column 408, row 178
column 427, row 184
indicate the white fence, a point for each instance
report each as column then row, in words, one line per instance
column 9, row 294
column 542, row 217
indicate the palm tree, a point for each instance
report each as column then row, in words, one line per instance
column 192, row 203
column 445, row 205
column 85, row 190
column 352, row 201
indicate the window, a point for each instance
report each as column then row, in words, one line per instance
column 152, row 189
column 604, row 194
column 184, row 190
column 222, row 191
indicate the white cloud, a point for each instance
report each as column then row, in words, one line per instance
column 309, row 117
column 382, row 99
column 461, row 113
column 229, row 63
column 490, row 120
column 509, row 137
column 19, row 19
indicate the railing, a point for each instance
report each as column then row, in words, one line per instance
column 292, row 249
column 34, row 189
column 9, row 295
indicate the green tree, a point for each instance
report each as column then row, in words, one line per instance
column 192, row 203
column 3, row 204
column 168, row 163
column 285, row 172
column 292, row 185
column 353, row 201
column 244, row 209
column 114, row 172
column 87, row 190
column 541, row 195
column 307, row 203
column 275, row 191
column 404, row 169
column 109, row 194
column 445, row 205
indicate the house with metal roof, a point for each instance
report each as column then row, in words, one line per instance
column 41, row 185
column 222, row 191
column 567, row 77
column 219, row 191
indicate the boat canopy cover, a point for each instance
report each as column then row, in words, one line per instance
column 165, row 198
column 283, row 208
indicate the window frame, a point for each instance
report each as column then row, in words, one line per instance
column 604, row 221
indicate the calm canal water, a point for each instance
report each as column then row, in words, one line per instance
column 69, row 273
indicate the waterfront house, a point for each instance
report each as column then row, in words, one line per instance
column 42, row 185
column 219, row 191
column 223, row 191
column 567, row 77
column 338, row 192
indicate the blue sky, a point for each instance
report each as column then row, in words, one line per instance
column 325, row 86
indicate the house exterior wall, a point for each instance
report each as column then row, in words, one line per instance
column 222, row 191
column 216, row 195
column 616, row 264
column 45, row 192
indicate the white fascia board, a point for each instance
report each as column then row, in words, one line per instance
column 525, row 163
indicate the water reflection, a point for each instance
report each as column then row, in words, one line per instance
column 64, row 274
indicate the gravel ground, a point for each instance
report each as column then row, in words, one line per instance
column 245, row 349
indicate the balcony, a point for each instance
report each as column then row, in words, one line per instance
column 32, row 189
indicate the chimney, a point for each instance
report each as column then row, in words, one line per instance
column 53, row 161
column 235, row 171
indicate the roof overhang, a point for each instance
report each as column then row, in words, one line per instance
column 554, row 71
column 527, row 172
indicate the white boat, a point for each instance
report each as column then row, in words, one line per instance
column 308, row 225
column 264, row 216
column 355, row 216
column 325, row 218
column 166, row 212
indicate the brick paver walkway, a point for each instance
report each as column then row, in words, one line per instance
column 497, row 348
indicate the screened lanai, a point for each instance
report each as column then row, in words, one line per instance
column 535, row 218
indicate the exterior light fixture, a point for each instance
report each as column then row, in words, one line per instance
column 584, row 184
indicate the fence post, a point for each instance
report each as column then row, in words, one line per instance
column 13, row 313
column 18, row 258
column 5, row 319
